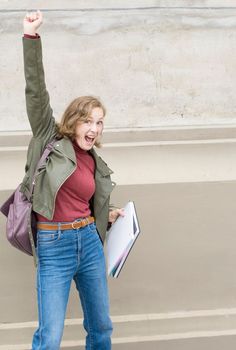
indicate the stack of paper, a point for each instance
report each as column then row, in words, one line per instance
column 121, row 238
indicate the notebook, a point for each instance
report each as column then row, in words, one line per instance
column 120, row 239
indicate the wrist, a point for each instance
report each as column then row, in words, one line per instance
column 30, row 32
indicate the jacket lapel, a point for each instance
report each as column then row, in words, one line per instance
column 65, row 146
column 101, row 166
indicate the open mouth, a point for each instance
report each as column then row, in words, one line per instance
column 89, row 139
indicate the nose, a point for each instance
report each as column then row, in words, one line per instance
column 94, row 127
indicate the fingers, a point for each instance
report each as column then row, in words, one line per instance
column 34, row 16
column 114, row 214
column 120, row 212
column 40, row 15
column 32, row 21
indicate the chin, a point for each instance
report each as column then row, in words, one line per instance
column 87, row 148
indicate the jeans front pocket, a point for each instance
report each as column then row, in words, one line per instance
column 47, row 237
column 92, row 228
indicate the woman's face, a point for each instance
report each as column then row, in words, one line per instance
column 89, row 131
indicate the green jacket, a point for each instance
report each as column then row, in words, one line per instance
column 62, row 160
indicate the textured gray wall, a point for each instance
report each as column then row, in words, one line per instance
column 152, row 67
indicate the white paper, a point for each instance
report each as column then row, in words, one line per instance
column 120, row 239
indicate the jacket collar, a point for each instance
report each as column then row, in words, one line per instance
column 65, row 146
column 101, row 166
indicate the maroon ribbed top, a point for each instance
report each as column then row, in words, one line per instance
column 72, row 201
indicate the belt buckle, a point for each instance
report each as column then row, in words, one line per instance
column 84, row 222
column 74, row 222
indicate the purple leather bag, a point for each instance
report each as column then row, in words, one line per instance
column 21, row 220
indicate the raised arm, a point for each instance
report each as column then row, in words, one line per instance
column 37, row 98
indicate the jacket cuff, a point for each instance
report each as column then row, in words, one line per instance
column 28, row 36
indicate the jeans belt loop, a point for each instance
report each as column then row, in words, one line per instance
column 87, row 219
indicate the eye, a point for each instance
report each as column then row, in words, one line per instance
column 100, row 122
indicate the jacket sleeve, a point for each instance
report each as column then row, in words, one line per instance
column 37, row 98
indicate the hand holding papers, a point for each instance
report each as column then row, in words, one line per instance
column 121, row 238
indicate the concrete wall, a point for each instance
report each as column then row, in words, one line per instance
column 153, row 63
column 165, row 70
column 139, row 157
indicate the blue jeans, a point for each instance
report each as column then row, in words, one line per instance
column 64, row 256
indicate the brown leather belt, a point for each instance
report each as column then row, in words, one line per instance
column 69, row 226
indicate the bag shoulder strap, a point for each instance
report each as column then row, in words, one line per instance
column 44, row 156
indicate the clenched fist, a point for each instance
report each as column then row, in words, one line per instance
column 32, row 22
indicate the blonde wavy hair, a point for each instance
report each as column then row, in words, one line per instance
column 78, row 110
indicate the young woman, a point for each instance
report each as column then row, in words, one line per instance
column 71, row 201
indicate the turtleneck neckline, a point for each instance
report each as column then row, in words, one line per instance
column 78, row 149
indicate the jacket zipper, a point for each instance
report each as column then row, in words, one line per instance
column 54, row 200
column 59, row 189
column 33, row 250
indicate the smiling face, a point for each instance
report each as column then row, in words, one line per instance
column 82, row 122
column 89, row 131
